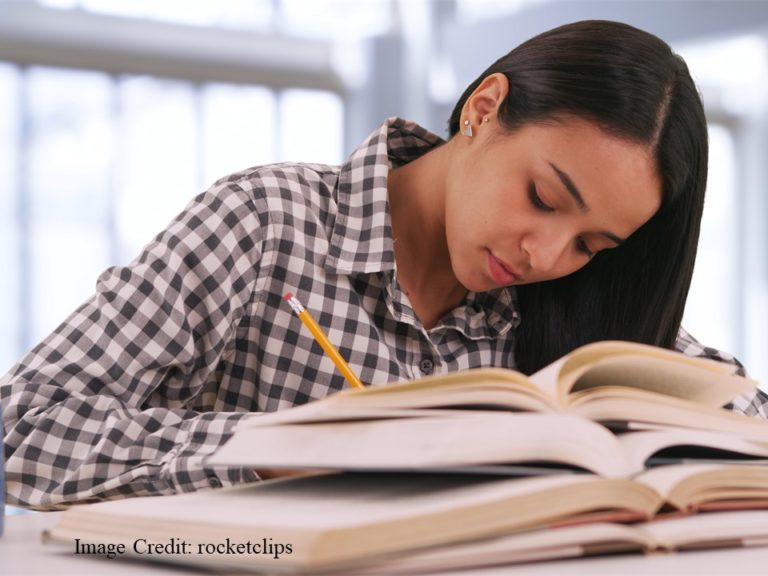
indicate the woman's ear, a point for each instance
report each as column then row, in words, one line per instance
column 484, row 102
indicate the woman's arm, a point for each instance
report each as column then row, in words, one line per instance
column 101, row 408
column 752, row 405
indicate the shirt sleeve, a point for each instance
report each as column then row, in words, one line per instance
column 750, row 404
column 101, row 408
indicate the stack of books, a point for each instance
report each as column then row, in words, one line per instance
column 617, row 447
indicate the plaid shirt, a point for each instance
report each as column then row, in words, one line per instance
column 150, row 374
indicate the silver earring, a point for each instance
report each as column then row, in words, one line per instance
column 467, row 131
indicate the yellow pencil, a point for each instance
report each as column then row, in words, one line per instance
column 322, row 339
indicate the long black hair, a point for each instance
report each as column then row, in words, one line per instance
column 632, row 85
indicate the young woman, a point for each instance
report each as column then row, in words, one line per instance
column 564, row 208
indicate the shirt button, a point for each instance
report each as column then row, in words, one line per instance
column 426, row 365
column 214, row 482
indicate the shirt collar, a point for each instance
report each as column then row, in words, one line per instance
column 361, row 239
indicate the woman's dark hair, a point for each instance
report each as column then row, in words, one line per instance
column 633, row 86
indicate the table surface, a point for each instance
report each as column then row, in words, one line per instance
column 22, row 553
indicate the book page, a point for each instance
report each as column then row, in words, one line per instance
column 493, row 388
column 438, row 389
column 327, row 501
column 673, row 379
column 640, row 446
column 651, row 368
column 528, row 546
column 740, row 528
column 465, row 438
column 548, row 380
column 637, row 407
column 688, row 486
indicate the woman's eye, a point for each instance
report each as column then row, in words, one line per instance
column 582, row 247
column 538, row 203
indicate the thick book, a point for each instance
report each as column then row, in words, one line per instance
column 617, row 383
column 740, row 529
column 353, row 522
column 610, row 408
column 478, row 441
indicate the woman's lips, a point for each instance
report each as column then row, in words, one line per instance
column 499, row 271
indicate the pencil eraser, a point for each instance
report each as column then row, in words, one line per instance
column 288, row 296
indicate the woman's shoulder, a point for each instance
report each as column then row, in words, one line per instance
column 283, row 180
column 284, row 198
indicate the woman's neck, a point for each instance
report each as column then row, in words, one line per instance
column 417, row 209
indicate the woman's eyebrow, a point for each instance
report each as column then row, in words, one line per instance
column 571, row 187
column 574, row 192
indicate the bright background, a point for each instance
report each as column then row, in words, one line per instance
column 114, row 113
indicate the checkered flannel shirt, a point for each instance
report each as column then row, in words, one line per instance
column 150, row 374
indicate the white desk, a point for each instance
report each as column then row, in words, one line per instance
column 23, row 554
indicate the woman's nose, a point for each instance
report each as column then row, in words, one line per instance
column 546, row 249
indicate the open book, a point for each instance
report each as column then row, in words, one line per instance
column 528, row 458
column 333, row 522
column 488, row 417
column 618, row 383
column 724, row 530
column 481, row 441
column 437, row 424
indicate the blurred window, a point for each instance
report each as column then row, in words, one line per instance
column 110, row 160
column 732, row 74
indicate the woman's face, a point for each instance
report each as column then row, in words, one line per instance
column 539, row 203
